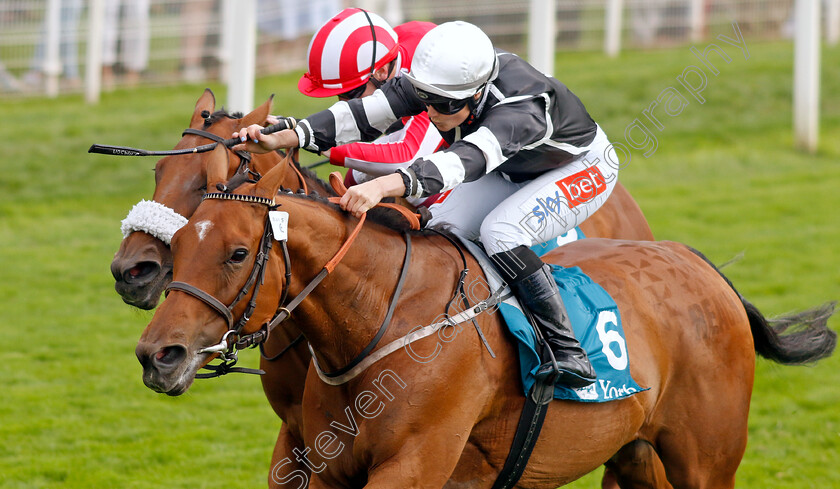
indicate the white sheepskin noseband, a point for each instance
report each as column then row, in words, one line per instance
column 153, row 218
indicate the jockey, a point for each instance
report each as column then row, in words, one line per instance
column 352, row 55
column 525, row 163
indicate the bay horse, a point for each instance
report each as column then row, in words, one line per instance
column 691, row 337
column 142, row 266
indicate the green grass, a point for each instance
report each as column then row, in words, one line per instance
column 75, row 413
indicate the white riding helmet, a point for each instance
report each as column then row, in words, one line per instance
column 453, row 60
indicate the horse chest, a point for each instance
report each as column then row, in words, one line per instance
column 340, row 427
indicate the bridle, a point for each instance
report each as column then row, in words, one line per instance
column 245, row 158
column 227, row 349
column 245, row 172
column 233, row 340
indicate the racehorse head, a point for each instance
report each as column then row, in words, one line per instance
column 142, row 267
column 223, row 246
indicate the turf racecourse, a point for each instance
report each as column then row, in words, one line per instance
column 74, row 411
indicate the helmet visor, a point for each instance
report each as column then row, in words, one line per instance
column 443, row 105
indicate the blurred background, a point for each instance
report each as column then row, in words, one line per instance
column 156, row 42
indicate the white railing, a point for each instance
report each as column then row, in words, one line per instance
column 171, row 41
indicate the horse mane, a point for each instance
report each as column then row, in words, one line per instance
column 380, row 215
column 210, row 119
column 311, row 175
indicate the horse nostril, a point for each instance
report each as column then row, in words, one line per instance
column 169, row 357
column 140, row 271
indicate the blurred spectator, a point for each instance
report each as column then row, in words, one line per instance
column 288, row 25
column 8, row 82
column 126, row 24
column 71, row 11
column 290, row 19
column 197, row 17
column 648, row 17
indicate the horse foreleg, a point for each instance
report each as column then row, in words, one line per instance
column 286, row 471
column 635, row 466
column 609, row 480
column 425, row 461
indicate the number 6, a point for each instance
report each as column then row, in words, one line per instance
column 620, row 361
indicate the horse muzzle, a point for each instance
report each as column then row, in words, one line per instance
column 141, row 286
column 142, row 268
column 166, row 370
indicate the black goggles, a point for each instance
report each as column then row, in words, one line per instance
column 443, row 105
column 354, row 93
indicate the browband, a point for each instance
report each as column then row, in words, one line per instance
column 241, row 198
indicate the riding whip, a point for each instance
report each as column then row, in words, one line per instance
column 285, row 123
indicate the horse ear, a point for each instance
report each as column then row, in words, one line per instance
column 217, row 169
column 258, row 115
column 207, row 102
column 270, row 182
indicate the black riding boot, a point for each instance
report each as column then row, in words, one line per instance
column 538, row 292
column 536, row 289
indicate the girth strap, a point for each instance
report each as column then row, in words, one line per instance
column 527, row 432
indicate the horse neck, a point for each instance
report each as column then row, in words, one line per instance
column 344, row 312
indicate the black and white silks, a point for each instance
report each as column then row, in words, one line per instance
column 526, row 125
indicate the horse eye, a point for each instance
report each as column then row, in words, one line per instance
column 239, row 255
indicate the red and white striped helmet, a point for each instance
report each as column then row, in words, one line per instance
column 346, row 51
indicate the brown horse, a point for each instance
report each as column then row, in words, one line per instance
column 142, row 267
column 691, row 338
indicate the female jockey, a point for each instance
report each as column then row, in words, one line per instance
column 525, row 163
column 352, row 55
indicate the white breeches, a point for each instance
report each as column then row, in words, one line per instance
column 504, row 214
